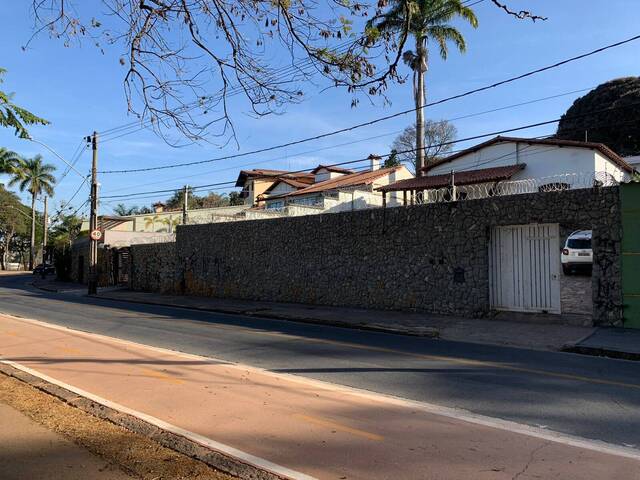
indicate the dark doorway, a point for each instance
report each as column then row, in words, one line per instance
column 81, row 269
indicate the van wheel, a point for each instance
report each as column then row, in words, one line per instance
column 566, row 270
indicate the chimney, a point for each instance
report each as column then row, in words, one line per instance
column 158, row 207
column 374, row 162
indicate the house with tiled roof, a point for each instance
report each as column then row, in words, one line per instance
column 336, row 189
column 254, row 183
column 506, row 165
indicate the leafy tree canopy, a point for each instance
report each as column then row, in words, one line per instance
column 65, row 230
column 609, row 114
column 209, row 200
column 13, row 116
column 15, row 219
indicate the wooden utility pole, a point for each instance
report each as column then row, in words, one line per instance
column 93, row 219
column 185, row 205
column 45, row 228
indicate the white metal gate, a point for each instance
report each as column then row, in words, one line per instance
column 524, row 268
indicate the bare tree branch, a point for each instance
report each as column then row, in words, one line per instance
column 522, row 14
column 186, row 60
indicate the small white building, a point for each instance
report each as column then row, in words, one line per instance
column 509, row 165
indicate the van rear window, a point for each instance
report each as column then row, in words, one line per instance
column 579, row 243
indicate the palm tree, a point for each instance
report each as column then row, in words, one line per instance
column 35, row 177
column 8, row 160
column 151, row 222
column 426, row 20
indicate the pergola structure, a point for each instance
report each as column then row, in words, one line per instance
column 412, row 186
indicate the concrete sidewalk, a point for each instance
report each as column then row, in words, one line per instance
column 533, row 332
column 611, row 342
column 536, row 335
column 296, row 427
column 30, row 450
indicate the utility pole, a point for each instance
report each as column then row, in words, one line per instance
column 185, row 204
column 93, row 219
column 45, row 232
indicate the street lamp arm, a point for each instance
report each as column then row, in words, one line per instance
column 20, row 211
column 84, row 177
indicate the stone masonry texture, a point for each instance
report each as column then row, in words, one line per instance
column 432, row 258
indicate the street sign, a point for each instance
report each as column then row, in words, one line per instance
column 96, row 235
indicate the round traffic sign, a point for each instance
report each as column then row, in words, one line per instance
column 96, row 235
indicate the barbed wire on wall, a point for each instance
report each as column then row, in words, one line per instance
column 552, row 183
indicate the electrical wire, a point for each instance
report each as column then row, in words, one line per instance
column 330, row 147
column 284, row 73
column 380, row 119
column 452, row 142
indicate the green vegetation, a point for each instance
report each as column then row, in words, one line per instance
column 609, row 114
column 8, row 160
column 35, row 177
column 13, row 116
column 15, row 219
column 424, row 20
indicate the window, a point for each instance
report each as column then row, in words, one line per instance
column 579, row 243
column 275, row 204
column 308, row 201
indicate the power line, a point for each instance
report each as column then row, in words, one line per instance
column 388, row 117
column 65, row 204
column 74, row 160
column 273, row 159
column 283, row 72
column 452, row 142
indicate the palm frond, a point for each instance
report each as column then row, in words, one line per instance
column 445, row 33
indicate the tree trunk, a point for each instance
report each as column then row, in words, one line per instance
column 33, row 231
column 5, row 251
column 420, row 70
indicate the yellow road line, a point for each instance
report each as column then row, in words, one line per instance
column 440, row 358
column 339, row 427
column 461, row 361
column 161, row 376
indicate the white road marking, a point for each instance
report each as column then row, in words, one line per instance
column 244, row 457
column 455, row 413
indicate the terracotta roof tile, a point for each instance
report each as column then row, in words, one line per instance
column 331, row 168
column 350, row 180
column 470, row 177
column 266, row 173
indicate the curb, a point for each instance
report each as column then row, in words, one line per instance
column 217, row 460
column 601, row 352
column 46, row 288
column 260, row 313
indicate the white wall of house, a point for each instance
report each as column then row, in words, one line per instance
column 394, row 199
column 541, row 161
column 166, row 222
column 281, row 189
column 324, row 174
column 341, row 200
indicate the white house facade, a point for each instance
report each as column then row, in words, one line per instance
column 509, row 165
column 334, row 190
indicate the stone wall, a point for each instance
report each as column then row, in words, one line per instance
column 80, row 260
column 154, row 268
column 431, row 258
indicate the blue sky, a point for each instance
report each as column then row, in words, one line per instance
column 80, row 90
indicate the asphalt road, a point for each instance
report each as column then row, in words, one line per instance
column 594, row 398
